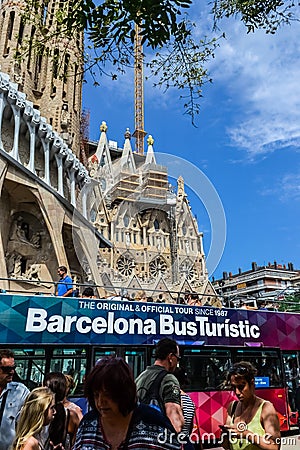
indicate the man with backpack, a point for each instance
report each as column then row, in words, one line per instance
column 158, row 387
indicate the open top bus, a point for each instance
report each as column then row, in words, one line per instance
column 70, row 334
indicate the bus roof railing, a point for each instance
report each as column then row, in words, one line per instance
column 227, row 300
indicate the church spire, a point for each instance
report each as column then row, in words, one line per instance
column 127, row 160
column 150, row 158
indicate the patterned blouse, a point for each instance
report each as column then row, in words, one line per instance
column 148, row 429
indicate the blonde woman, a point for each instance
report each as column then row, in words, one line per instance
column 37, row 412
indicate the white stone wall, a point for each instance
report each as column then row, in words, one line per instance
column 30, row 140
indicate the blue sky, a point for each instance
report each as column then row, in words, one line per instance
column 247, row 140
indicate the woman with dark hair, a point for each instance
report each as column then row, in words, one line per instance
column 63, row 428
column 252, row 423
column 116, row 421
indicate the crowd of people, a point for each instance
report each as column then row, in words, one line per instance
column 43, row 419
column 151, row 412
column 65, row 288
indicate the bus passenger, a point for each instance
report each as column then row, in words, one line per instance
column 116, row 421
column 88, row 292
column 252, row 423
column 194, row 300
column 37, row 412
column 65, row 285
column 12, row 397
column 140, row 296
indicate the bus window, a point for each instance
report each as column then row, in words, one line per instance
column 267, row 363
column 70, row 361
column 292, row 377
column 107, row 351
column 30, row 366
column 136, row 360
column 206, row 369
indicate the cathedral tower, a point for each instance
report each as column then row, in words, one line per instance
column 52, row 76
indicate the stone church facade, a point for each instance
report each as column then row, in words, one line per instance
column 43, row 202
column 157, row 246
column 147, row 239
column 50, row 74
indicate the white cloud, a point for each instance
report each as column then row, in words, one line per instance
column 287, row 188
column 260, row 74
column 290, row 187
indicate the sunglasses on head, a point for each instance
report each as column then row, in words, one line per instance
column 109, row 360
column 239, row 370
column 7, row 369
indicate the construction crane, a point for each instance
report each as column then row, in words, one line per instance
column 139, row 133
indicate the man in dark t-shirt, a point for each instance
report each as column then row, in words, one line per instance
column 166, row 360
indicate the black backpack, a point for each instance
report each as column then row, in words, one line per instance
column 151, row 395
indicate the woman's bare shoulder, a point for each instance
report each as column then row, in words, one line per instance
column 31, row 444
column 231, row 407
column 268, row 410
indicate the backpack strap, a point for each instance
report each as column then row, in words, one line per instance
column 67, row 419
column 153, row 390
column 233, row 408
column 155, row 387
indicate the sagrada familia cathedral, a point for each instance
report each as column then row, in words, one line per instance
column 112, row 218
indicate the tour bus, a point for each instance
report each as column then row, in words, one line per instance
column 70, row 334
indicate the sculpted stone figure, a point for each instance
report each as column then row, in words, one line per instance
column 10, row 262
column 18, row 267
column 33, row 272
column 18, row 233
column 36, row 239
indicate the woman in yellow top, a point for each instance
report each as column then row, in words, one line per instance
column 252, row 423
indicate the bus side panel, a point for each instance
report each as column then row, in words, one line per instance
column 211, row 409
column 277, row 396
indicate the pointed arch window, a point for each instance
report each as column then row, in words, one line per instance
column 103, row 160
column 93, row 214
column 103, row 184
column 126, row 220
